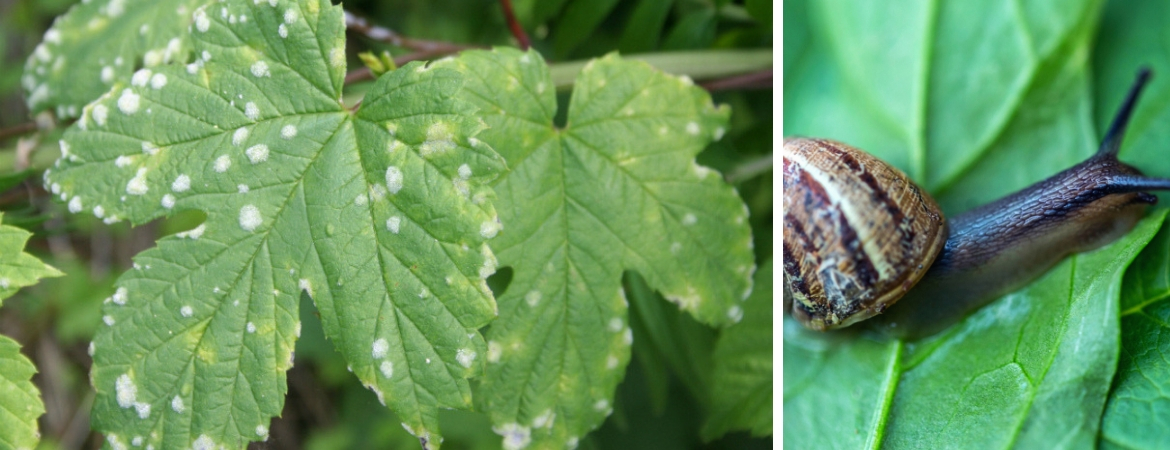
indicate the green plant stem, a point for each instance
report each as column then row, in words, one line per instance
column 750, row 169
column 699, row 65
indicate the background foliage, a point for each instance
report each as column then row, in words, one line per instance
column 976, row 100
column 666, row 392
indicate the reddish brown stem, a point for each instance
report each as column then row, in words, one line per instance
column 382, row 34
column 514, row 25
column 17, row 130
column 754, row 80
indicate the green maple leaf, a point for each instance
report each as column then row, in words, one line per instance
column 616, row 188
column 380, row 216
column 98, row 43
column 20, row 402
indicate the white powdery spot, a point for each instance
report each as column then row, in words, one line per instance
column 109, row 320
column 158, row 80
column 75, row 205
column 380, row 348
column 393, row 224
column 735, row 314
column 137, row 185
column 115, row 442
column 260, row 69
column 257, row 153
column 202, row 23
column 262, row 431
column 283, row 30
column 615, row 325
column 387, row 369
column 182, row 183
column 206, row 56
column 464, row 171
column 337, row 57
column 239, row 136
column 120, row 296
column 125, row 391
column 64, row 149
column 675, row 247
column 168, row 201
column 223, row 163
column 128, row 102
column 611, row 362
column 532, row 297
column 186, row 311
column 489, row 229
column 143, row 410
column 361, row 199
column 393, row 179
column 100, row 112
column 140, row 78
column 149, row 148
column 689, row 219
column 693, row 128
column 250, row 217
column 242, row 188
column 545, row 419
column 137, row 441
column 251, row 111
column 288, row 131
column 107, row 74
column 251, row 327
column 719, row 132
column 465, row 357
column 290, row 15
column 515, row 436
column 99, row 212
column 53, row 36
column 494, row 351
column 122, row 161
column 203, row 443
column 306, row 286
column 601, row 405
column 192, row 68
column 628, row 336
column 193, row 233
column 177, row 404
column 440, row 138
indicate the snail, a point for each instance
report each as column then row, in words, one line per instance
column 859, row 235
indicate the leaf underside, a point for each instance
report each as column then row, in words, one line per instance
column 380, row 216
column 617, row 188
column 20, row 401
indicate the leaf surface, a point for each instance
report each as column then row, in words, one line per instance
column 97, row 43
column 615, row 188
column 741, row 393
column 380, row 216
column 20, row 401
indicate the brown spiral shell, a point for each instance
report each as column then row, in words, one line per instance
column 858, row 233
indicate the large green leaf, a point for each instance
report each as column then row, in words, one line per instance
column 20, row 401
column 98, row 43
column 615, row 188
column 1031, row 370
column 380, row 216
column 741, row 393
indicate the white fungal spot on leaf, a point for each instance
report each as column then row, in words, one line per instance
column 203, row 443
column 128, row 102
column 532, row 298
column 137, row 185
column 290, row 15
column 158, row 81
column 121, row 295
column 107, row 74
column 615, row 325
column 260, row 69
column 262, row 431
column 393, row 224
column 98, row 211
column 393, row 179
column 143, row 410
column 100, row 112
column 288, row 131
column 601, row 405
column 186, row 311
column 251, row 111
column 689, row 219
column 611, row 362
column 242, row 188
column 223, row 163
column 251, row 327
column 177, row 405
column 379, row 348
column 515, row 436
column 122, row 161
column 387, row 369
column 735, row 313
column 239, row 136
column 545, row 419
column 693, row 128
column 202, row 23
column 257, row 153
column 250, row 217
column 494, row 351
column 465, row 357
column 282, row 30
column 140, row 78
column 489, row 229
column 75, row 205
column 108, row 319
column 182, row 183
column 149, row 148
column 464, row 171
column 125, row 391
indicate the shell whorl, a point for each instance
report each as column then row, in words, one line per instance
column 858, row 233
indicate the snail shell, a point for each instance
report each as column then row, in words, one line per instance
column 858, row 233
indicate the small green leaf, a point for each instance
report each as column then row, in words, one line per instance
column 380, row 216
column 578, row 22
column 100, row 42
column 616, row 188
column 20, row 401
column 741, row 394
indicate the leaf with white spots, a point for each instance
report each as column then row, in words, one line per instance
column 615, row 189
column 741, row 388
column 298, row 199
column 20, row 402
column 100, row 42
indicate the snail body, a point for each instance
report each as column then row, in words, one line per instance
column 859, row 236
